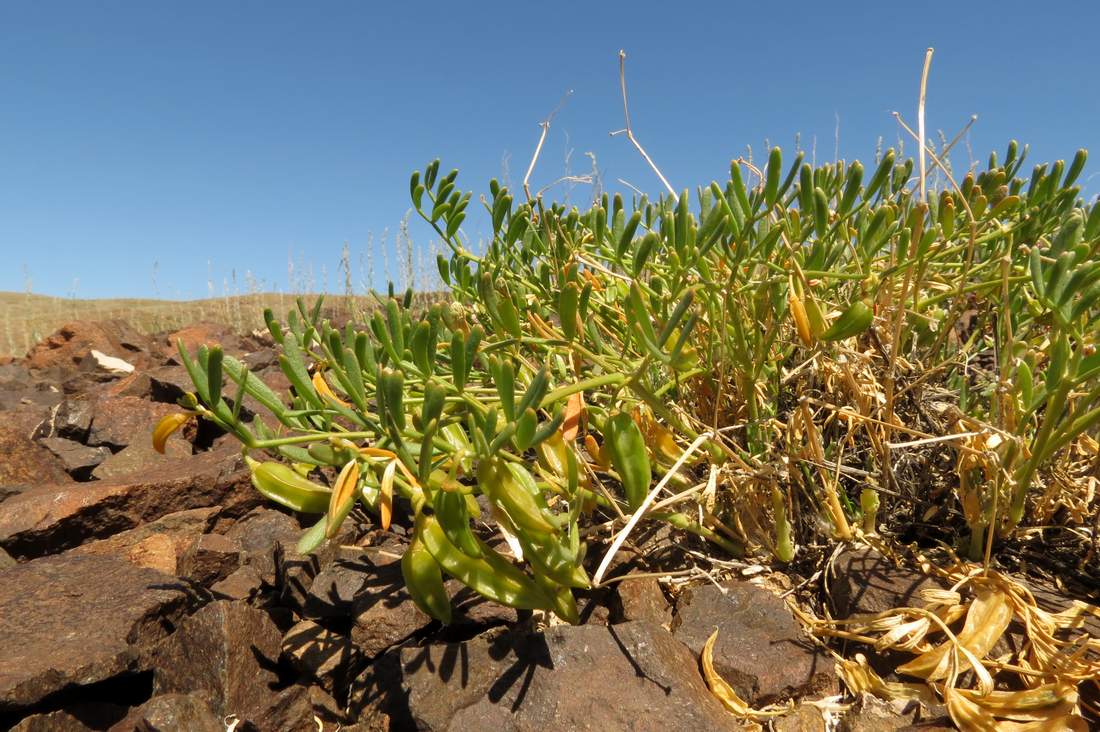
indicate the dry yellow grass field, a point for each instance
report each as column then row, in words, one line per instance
column 28, row 318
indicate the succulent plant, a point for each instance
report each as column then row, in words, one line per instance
column 780, row 326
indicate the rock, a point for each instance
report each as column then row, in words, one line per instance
column 167, row 384
column 226, row 653
column 19, row 388
column 244, row 584
column 870, row 714
column 632, row 676
column 159, row 544
column 805, row 718
column 68, row 346
column 862, row 581
column 71, row 419
column 75, row 620
column 202, row 334
column 269, row 541
column 471, row 609
column 12, row 489
column 26, row 461
column 110, row 364
column 6, row 560
column 78, row 460
column 643, row 599
column 320, row 653
column 140, row 456
column 171, row 713
column 58, row 721
column 54, row 518
column 383, row 613
column 259, row 533
column 761, row 650
column 121, row 421
column 210, row 559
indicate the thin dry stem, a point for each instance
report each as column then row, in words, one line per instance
column 630, row 132
column 920, row 120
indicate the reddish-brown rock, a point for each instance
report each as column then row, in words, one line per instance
column 171, row 713
column 761, row 649
column 79, row 460
column 69, row 345
column 210, row 558
column 862, row 581
column 120, row 421
column 159, row 544
column 202, row 334
column 75, row 620
column 51, row 519
column 139, row 456
column 225, row 653
column 643, row 599
column 319, row 653
column 632, row 676
column 25, row 461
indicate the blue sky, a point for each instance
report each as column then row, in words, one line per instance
column 154, row 148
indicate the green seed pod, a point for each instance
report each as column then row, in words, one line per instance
column 454, row 517
column 423, row 350
column 821, row 213
column 851, row 188
column 491, row 576
column 869, row 505
column 283, row 485
column 625, row 446
column 1059, row 358
column 771, row 178
column 1025, row 385
column 424, row 582
column 1069, row 234
column 784, row 547
column 526, row 424
column 273, row 326
column 1056, row 276
column 532, row 397
column 508, row 315
column 395, row 328
column 853, row 321
column 500, row 487
column 568, row 299
column 392, row 388
column 505, row 377
column 881, row 173
column 627, row 237
column 1038, row 280
column 213, row 374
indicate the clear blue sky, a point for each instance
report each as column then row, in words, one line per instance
column 149, row 147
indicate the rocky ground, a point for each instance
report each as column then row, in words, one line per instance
column 141, row 591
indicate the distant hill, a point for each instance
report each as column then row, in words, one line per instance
column 28, row 318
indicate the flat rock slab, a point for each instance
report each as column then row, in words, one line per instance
column 25, row 461
column 48, row 520
column 863, row 581
column 159, row 544
column 64, row 349
column 761, row 649
column 171, row 713
column 633, row 676
column 76, row 620
column 79, row 460
column 58, row 721
column 139, row 456
column 120, row 421
column 227, row 654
